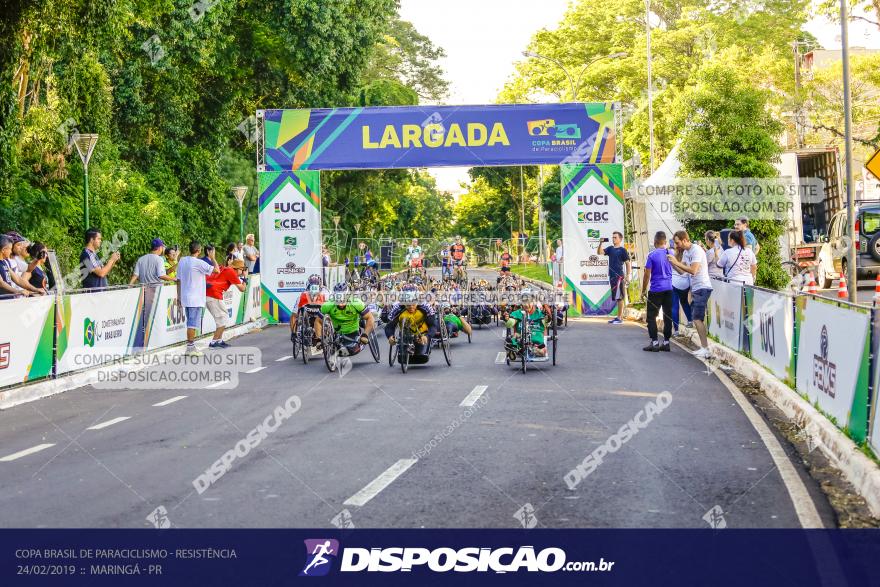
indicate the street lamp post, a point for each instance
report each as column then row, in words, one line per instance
column 847, row 120
column 336, row 220
column 85, row 145
column 240, row 191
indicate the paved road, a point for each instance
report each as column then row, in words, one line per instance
column 397, row 450
column 865, row 293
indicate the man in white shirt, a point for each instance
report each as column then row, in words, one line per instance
column 694, row 263
column 250, row 252
column 191, row 288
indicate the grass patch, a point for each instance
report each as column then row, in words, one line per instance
column 536, row 272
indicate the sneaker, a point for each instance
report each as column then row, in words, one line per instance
column 191, row 351
column 222, row 344
column 665, row 346
column 615, row 321
column 702, row 353
column 652, row 348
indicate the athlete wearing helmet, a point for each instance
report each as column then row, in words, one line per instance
column 536, row 316
column 311, row 299
column 419, row 316
column 346, row 313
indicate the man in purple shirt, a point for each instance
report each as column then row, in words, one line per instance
column 658, row 273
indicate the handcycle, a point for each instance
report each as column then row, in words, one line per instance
column 305, row 335
column 333, row 342
column 523, row 350
column 404, row 347
column 459, row 273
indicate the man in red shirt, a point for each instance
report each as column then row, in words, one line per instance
column 217, row 284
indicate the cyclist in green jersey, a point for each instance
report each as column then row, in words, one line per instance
column 536, row 317
column 455, row 323
column 346, row 313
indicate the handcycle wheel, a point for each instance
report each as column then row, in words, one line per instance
column 328, row 340
column 305, row 340
column 374, row 346
column 444, row 343
column 553, row 340
column 296, row 335
column 392, row 352
column 524, row 340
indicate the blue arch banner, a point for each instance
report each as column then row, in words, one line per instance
column 438, row 136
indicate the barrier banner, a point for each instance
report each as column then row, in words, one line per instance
column 251, row 308
column 26, row 339
column 724, row 314
column 770, row 326
column 234, row 300
column 874, row 436
column 833, row 361
column 592, row 208
column 290, row 238
column 437, row 136
column 164, row 318
column 97, row 327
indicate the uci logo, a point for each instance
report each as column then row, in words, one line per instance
column 768, row 334
column 284, row 207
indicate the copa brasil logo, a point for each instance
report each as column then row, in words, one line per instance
column 543, row 127
column 90, row 332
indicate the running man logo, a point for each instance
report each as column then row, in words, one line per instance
column 89, row 332
column 320, row 553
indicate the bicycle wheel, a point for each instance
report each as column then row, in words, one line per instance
column 328, row 340
column 444, row 343
column 305, row 341
column 374, row 346
column 405, row 343
column 553, row 338
column 296, row 341
column 524, row 340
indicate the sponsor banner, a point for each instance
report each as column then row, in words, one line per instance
column 164, row 318
column 724, row 313
column 874, row 437
column 592, row 208
column 437, row 136
column 771, row 331
column 252, row 302
column 26, row 339
column 832, row 361
column 92, row 323
column 234, row 300
column 290, row 238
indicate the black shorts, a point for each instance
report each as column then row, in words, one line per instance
column 618, row 289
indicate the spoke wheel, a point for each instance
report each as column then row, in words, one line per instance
column 553, row 339
column 296, row 337
column 328, row 339
column 374, row 346
column 524, row 340
column 444, row 343
column 306, row 336
column 404, row 342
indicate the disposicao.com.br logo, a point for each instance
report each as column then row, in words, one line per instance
column 320, row 553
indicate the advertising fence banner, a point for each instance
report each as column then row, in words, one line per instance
column 290, row 238
column 770, row 326
column 234, row 300
column 97, row 327
column 833, row 362
column 437, row 136
column 874, row 427
column 252, row 306
column 26, row 339
column 164, row 318
column 724, row 316
column 592, row 208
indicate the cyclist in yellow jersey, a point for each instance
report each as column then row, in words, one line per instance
column 420, row 317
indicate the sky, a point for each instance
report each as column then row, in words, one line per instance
column 484, row 38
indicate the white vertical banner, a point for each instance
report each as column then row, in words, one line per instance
column 725, row 312
column 290, row 237
column 771, row 331
column 592, row 209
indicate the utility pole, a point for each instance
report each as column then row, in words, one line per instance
column 522, row 211
column 847, row 117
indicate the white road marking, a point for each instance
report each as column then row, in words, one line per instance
column 473, row 396
column 279, row 359
column 367, row 419
column 218, row 384
column 499, row 358
column 25, row 452
column 109, row 423
column 176, row 398
column 255, row 370
column 379, row 483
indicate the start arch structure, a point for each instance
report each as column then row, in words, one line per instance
column 294, row 145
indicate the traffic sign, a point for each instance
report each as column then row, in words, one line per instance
column 873, row 164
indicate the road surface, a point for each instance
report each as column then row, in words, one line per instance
column 377, row 448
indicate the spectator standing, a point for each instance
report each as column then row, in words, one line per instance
column 751, row 242
column 239, row 251
column 38, row 278
column 714, row 250
column 560, row 267
column 325, row 263
column 694, row 264
column 251, row 253
column 171, row 254
column 619, row 270
column 91, row 266
column 681, row 287
column 658, row 276
column 217, row 284
column 149, row 269
column 738, row 263
column 8, row 285
column 191, row 274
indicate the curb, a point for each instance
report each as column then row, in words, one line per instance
column 34, row 391
column 859, row 470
